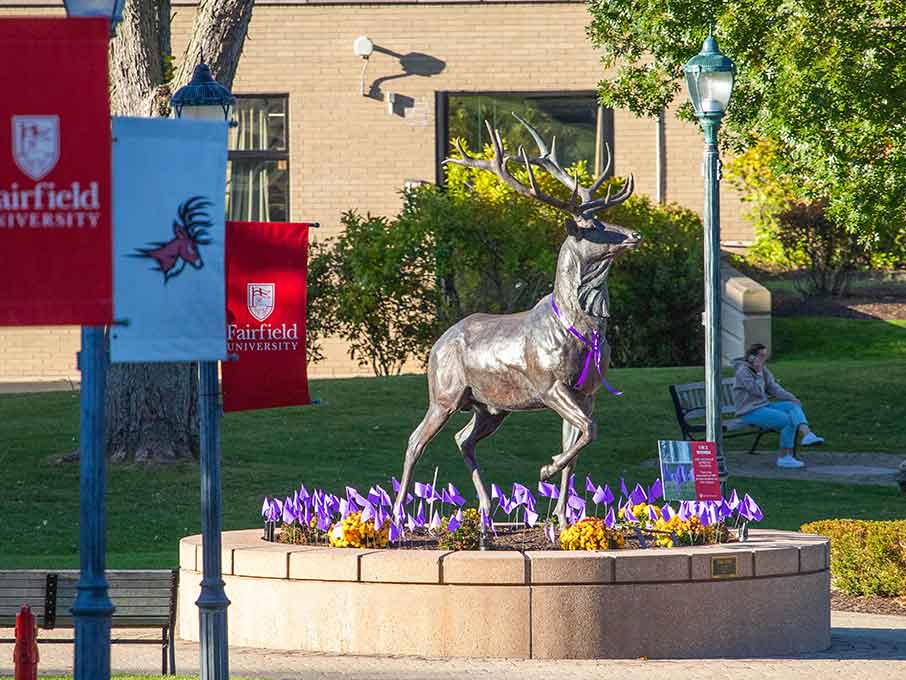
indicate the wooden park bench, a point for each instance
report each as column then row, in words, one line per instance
column 689, row 402
column 142, row 599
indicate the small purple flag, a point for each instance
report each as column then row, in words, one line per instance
column 435, row 521
column 610, row 519
column 638, row 495
column 455, row 498
column 656, row 490
column 623, row 489
column 600, row 496
column 549, row 532
column 548, row 490
column 733, row 501
column 455, row 522
column 590, row 485
column 756, row 514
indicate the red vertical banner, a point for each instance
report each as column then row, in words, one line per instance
column 266, row 272
column 55, row 203
column 704, row 465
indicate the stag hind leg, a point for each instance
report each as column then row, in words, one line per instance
column 434, row 420
column 483, row 424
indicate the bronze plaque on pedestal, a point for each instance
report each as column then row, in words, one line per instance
column 723, row 567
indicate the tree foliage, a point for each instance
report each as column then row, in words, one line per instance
column 823, row 81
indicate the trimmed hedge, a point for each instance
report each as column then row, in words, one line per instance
column 867, row 558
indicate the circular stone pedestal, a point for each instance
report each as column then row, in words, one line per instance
column 768, row 596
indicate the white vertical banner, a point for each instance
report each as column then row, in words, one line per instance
column 169, row 178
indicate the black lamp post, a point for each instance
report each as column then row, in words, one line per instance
column 92, row 609
column 203, row 98
column 709, row 76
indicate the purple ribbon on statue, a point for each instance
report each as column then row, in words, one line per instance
column 592, row 354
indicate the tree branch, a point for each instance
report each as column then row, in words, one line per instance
column 218, row 34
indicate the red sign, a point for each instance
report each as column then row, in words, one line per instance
column 55, row 232
column 266, row 270
column 704, row 465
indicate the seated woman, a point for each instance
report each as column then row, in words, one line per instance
column 754, row 386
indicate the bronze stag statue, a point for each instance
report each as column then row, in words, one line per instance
column 553, row 356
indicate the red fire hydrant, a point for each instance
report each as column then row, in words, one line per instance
column 25, row 653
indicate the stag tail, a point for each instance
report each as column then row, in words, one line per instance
column 194, row 218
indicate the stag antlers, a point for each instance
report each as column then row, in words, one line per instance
column 582, row 204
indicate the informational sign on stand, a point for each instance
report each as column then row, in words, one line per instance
column 689, row 470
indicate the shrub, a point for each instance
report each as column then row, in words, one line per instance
column 496, row 251
column 831, row 252
column 391, row 287
column 867, row 558
column 659, row 288
column 373, row 286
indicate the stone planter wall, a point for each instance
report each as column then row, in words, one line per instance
column 658, row 603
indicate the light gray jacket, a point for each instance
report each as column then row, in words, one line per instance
column 752, row 388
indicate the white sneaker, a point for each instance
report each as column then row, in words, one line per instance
column 811, row 439
column 788, row 461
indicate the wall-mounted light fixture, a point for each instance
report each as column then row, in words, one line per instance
column 363, row 47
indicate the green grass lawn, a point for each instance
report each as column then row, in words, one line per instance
column 357, row 436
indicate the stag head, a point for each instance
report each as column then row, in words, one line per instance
column 594, row 243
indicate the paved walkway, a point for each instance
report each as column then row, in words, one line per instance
column 864, row 646
column 821, row 466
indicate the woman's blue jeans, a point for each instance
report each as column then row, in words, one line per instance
column 785, row 416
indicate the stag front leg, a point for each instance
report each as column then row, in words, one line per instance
column 483, row 424
column 570, row 437
column 576, row 411
column 436, row 417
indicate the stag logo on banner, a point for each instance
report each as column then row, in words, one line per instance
column 260, row 299
column 190, row 230
column 36, row 144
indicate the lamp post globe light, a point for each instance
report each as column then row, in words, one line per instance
column 203, row 98
column 96, row 8
column 709, row 77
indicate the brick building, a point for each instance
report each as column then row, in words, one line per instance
column 310, row 146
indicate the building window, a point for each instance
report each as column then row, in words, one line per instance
column 258, row 168
column 581, row 126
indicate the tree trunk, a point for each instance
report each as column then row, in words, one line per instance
column 151, row 408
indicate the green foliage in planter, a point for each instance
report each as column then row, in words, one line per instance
column 867, row 558
column 467, row 535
